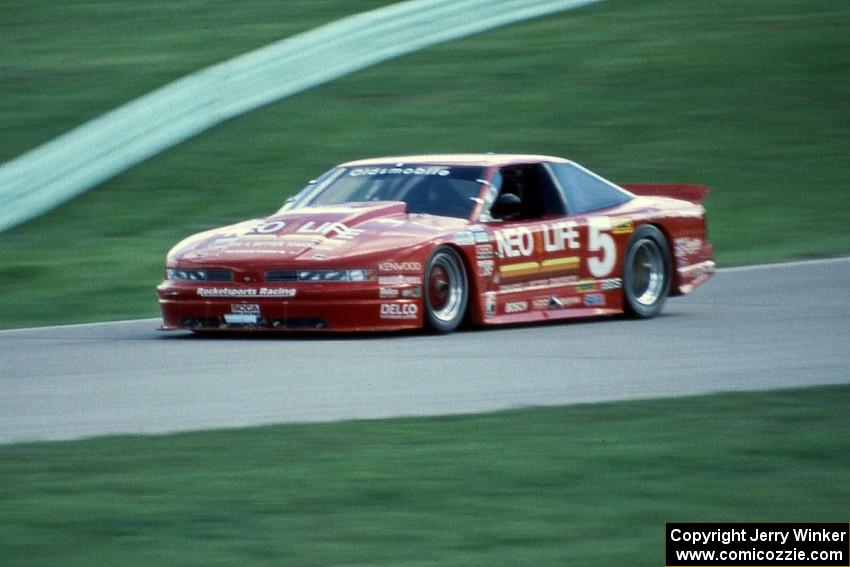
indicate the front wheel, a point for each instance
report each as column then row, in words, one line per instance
column 446, row 290
column 646, row 273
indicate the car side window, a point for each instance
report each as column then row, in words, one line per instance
column 585, row 191
column 533, row 187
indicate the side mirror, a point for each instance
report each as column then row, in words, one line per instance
column 506, row 206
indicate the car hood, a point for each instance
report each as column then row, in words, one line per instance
column 348, row 231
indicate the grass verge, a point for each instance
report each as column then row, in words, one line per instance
column 746, row 96
column 584, row 485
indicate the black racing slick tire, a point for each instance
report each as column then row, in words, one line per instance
column 647, row 273
column 446, row 292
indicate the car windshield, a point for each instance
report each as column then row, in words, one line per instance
column 429, row 189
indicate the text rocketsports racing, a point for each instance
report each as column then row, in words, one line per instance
column 246, row 292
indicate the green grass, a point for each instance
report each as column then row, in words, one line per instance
column 584, row 485
column 65, row 63
column 746, row 96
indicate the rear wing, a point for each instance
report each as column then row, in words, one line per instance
column 693, row 193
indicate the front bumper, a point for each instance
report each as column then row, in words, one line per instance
column 297, row 307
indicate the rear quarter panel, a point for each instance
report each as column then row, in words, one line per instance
column 684, row 225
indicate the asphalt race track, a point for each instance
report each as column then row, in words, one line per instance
column 747, row 329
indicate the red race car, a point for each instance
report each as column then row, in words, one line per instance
column 413, row 241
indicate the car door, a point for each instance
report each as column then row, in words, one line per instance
column 530, row 246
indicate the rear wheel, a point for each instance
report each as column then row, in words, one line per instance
column 446, row 290
column 646, row 272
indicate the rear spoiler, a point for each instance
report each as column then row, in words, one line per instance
column 692, row 193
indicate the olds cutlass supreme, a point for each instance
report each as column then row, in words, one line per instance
column 433, row 241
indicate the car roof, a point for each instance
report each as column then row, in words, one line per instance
column 486, row 160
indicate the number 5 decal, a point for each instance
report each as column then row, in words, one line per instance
column 602, row 242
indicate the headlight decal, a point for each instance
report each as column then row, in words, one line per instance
column 318, row 276
column 198, row 275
